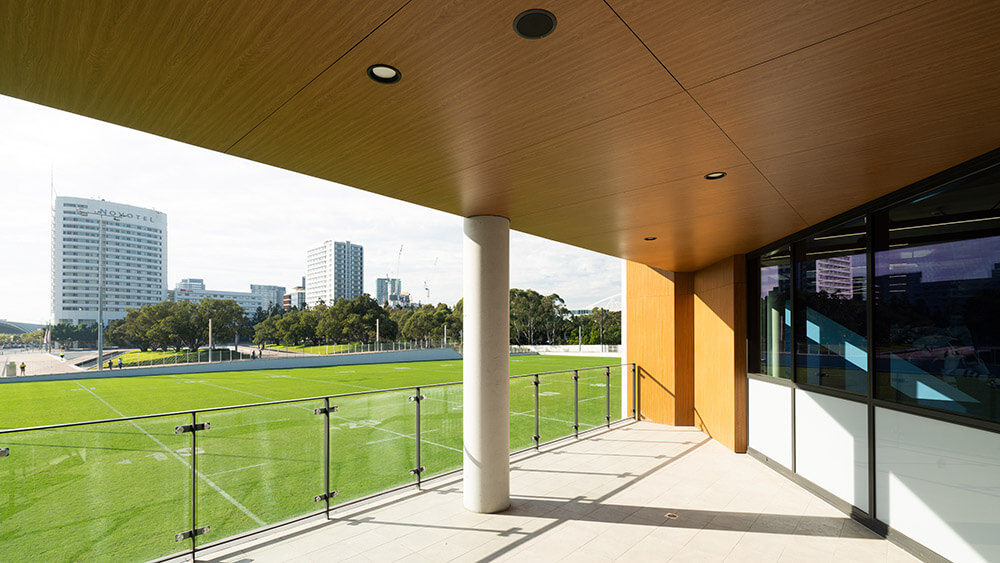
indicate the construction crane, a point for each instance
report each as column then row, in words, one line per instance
column 426, row 287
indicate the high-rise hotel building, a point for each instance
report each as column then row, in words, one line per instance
column 334, row 271
column 97, row 243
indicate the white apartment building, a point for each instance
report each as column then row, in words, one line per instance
column 97, row 245
column 334, row 270
column 263, row 296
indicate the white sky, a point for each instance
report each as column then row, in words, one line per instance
column 235, row 222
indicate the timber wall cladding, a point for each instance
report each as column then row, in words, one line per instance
column 658, row 302
column 720, row 352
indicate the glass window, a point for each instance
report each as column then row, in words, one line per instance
column 775, row 313
column 831, row 314
column 937, row 296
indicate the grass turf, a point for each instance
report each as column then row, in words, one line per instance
column 120, row 491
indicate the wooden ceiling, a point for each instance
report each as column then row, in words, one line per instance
column 598, row 135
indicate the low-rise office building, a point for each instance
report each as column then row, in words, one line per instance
column 263, row 296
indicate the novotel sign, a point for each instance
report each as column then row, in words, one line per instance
column 124, row 215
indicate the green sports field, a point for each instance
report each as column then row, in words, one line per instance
column 120, row 491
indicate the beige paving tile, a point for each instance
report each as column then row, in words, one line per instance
column 601, row 499
column 759, row 547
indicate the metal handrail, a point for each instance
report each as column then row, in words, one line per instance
column 267, row 403
column 567, row 370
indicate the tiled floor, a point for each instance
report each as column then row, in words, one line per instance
column 641, row 492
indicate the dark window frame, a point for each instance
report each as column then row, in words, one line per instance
column 869, row 211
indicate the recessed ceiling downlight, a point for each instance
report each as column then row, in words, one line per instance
column 534, row 24
column 384, row 74
column 715, row 175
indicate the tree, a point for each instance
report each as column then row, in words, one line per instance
column 353, row 320
column 600, row 326
column 258, row 316
column 226, row 317
column 455, row 321
column 266, row 331
column 537, row 318
column 525, row 305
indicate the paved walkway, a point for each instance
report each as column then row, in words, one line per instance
column 642, row 492
column 39, row 363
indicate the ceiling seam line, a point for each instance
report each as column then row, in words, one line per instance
column 821, row 41
column 556, row 136
column 746, row 156
column 709, row 116
column 314, row 79
column 643, row 43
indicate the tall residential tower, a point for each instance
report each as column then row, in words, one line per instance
column 334, row 270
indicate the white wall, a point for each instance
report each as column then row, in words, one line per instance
column 831, row 445
column 939, row 484
column 770, row 432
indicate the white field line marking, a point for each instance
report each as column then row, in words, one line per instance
column 332, row 382
column 450, row 402
column 391, row 438
column 422, row 440
column 201, row 475
column 532, row 415
column 237, row 469
column 258, row 422
column 334, row 416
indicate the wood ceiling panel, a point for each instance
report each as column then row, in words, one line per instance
column 702, row 41
column 471, row 90
column 843, row 176
column 200, row 72
column 696, row 221
column 666, row 140
column 840, row 123
column 580, row 137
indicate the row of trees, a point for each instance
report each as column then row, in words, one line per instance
column 178, row 324
column 347, row 320
column 25, row 339
column 534, row 319
column 544, row 319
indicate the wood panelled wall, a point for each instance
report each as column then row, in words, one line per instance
column 687, row 335
column 720, row 352
column 658, row 301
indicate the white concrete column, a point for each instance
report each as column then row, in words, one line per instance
column 486, row 365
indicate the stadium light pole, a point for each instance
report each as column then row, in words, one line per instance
column 100, row 284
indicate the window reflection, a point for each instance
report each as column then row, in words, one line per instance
column 776, row 313
column 937, row 292
column 831, row 315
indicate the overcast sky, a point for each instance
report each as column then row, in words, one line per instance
column 235, row 222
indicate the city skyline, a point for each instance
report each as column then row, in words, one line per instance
column 216, row 203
